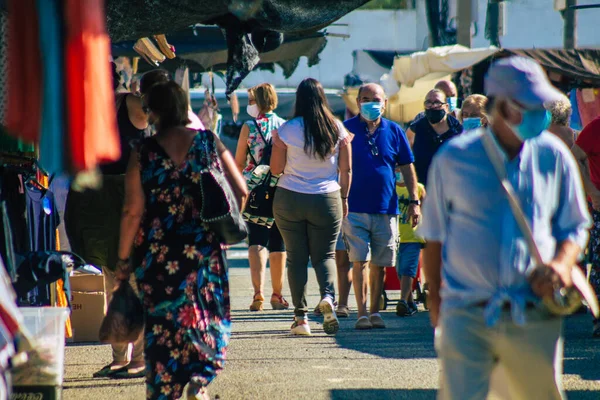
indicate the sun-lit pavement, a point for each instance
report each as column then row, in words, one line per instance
column 264, row 362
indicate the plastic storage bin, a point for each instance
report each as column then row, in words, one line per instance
column 46, row 365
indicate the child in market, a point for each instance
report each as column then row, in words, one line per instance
column 409, row 250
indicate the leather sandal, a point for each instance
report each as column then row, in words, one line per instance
column 257, row 302
column 278, row 302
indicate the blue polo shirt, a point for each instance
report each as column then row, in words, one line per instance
column 373, row 189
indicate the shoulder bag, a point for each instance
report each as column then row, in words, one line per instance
column 220, row 210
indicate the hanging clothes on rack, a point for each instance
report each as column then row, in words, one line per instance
column 24, row 111
column 92, row 121
column 52, row 135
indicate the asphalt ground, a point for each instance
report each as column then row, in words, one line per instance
column 265, row 362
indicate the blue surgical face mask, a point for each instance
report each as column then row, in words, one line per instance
column 471, row 123
column 371, row 111
column 399, row 177
column 534, row 122
column 452, row 103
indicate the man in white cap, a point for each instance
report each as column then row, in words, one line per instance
column 489, row 311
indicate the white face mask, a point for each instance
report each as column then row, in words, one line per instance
column 252, row 110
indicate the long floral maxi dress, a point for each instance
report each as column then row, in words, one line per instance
column 181, row 274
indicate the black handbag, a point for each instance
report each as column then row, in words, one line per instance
column 260, row 200
column 220, row 210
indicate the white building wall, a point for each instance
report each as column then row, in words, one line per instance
column 535, row 24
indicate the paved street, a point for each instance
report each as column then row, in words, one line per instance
column 264, row 361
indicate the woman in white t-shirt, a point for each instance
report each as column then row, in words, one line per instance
column 311, row 150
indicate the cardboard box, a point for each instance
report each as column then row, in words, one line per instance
column 88, row 303
column 87, row 283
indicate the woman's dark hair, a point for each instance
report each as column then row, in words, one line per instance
column 320, row 129
column 152, row 78
column 170, row 104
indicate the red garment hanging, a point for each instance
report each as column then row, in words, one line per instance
column 24, row 109
column 92, row 124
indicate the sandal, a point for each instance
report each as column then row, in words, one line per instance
column 257, row 302
column 130, row 372
column 278, row 302
column 108, row 371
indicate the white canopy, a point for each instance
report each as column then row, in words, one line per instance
column 440, row 60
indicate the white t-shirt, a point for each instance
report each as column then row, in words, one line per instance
column 304, row 173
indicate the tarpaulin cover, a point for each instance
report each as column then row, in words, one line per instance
column 129, row 20
column 444, row 59
column 203, row 48
column 580, row 64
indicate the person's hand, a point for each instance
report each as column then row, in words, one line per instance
column 344, row 208
column 546, row 279
column 414, row 214
column 123, row 270
column 595, row 201
column 433, row 303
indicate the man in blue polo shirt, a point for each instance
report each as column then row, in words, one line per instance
column 371, row 228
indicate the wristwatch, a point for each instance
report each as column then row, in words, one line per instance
column 415, row 202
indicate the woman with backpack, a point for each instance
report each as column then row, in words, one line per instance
column 311, row 150
column 252, row 157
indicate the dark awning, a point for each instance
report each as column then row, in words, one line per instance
column 203, row 48
column 581, row 65
column 385, row 58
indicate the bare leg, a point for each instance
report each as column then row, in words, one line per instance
column 257, row 257
column 361, row 286
column 277, row 267
column 344, row 275
column 376, row 277
column 406, row 284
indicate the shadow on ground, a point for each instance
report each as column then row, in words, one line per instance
column 383, row 394
column 403, row 338
column 582, row 352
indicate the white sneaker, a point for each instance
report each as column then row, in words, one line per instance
column 330, row 322
column 300, row 329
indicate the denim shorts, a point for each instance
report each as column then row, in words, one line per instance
column 408, row 259
column 371, row 237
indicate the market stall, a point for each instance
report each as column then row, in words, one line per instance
column 575, row 72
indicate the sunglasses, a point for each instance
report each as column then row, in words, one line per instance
column 146, row 109
column 433, row 104
column 373, row 146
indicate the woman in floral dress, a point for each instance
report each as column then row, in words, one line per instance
column 178, row 264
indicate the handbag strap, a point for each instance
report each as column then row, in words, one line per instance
column 493, row 153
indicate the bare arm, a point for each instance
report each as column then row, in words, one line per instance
column 137, row 116
column 278, row 154
column 432, row 268
column 410, row 179
column 241, row 151
column 564, row 261
column 233, row 174
column 410, row 136
column 133, row 207
column 345, row 172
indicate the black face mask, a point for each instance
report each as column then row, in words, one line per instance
column 435, row 116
